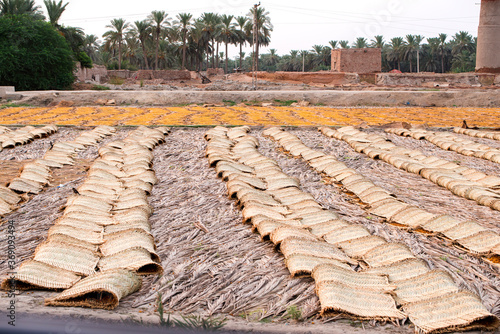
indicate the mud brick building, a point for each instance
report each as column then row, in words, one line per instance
column 367, row 60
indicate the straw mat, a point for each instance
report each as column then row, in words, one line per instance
column 102, row 290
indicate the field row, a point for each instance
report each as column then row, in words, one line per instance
column 247, row 115
column 95, row 251
column 357, row 274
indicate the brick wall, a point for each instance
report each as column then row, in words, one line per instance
column 367, row 60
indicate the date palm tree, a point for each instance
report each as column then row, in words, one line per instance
column 243, row 34
column 442, row 44
column 21, row 7
column 396, row 50
column 378, row 42
column 264, row 28
column 228, row 34
column 462, row 41
column 115, row 35
column 333, row 44
column 159, row 20
column 360, row 43
column 410, row 47
column 344, row 44
column 185, row 25
column 91, row 45
column 142, row 31
column 54, row 10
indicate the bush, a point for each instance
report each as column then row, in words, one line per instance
column 33, row 55
column 84, row 60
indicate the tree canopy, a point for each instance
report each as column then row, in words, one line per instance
column 34, row 56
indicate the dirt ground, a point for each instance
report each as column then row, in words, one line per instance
column 229, row 272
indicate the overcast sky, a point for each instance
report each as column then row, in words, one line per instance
column 298, row 24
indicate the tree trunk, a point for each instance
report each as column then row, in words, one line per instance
column 184, row 53
column 411, row 66
column 217, row 57
column 145, row 55
column 226, row 58
column 208, row 55
column 257, row 56
column 442, row 62
column 119, row 55
column 157, row 47
column 213, row 54
column 241, row 53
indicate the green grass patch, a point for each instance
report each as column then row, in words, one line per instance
column 117, row 81
column 285, row 103
column 14, row 105
column 99, row 87
column 229, row 103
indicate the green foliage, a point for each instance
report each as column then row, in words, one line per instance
column 33, row 55
column 293, row 312
column 116, row 81
column 99, row 87
column 14, row 105
column 189, row 322
column 21, row 7
column 285, row 103
column 84, row 59
column 229, row 103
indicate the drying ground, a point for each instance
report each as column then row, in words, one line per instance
column 215, row 265
column 247, row 114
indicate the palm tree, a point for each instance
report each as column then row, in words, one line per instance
column 378, row 42
column 264, row 28
column 410, row 47
column 442, row 44
column 91, row 45
column 184, row 27
column 429, row 53
column 209, row 24
column 228, row 33
column 115, row 35
column 344, row 44
column 21, row 7
column 418, row 40
column 360, row 43
column 54, row 10
column 462, row 41
column 243, row 34
column 159, row 20
column 333, row 44
column 396, row 50
column 304, row 53
column 142, row 31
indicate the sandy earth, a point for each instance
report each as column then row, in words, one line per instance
column 340, row 98
column 229, row 272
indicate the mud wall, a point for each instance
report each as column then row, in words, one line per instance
column 368, row 60
column 436, row 79
column 97, row 73
column 212, row 72
column 168, row 75
column 325, row 78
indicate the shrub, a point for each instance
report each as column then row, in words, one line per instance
column 33, row 55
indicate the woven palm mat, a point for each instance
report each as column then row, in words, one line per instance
column 228, row 269
column 468, row 272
